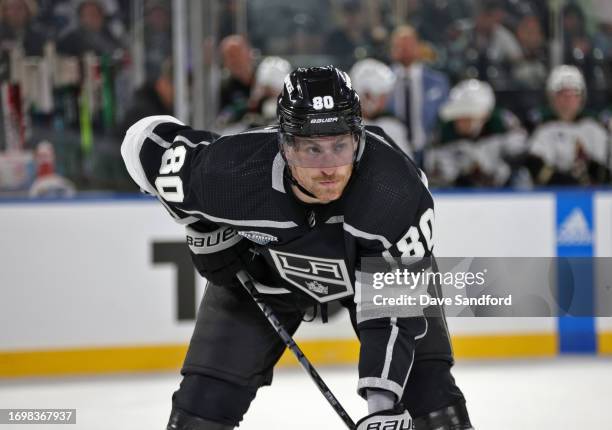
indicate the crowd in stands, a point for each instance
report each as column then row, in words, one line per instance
column 471, row 90
column 66, row 71
column 468, row 89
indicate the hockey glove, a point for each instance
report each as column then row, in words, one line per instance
column 396, row 418
column 219, row 254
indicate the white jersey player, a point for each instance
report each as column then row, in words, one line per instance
column 569, row 146
column 476, row 144
column 374, row 81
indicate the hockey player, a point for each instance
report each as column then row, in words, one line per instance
column 568, row 147
column 477, row 144
column 374, row 81
column 290, row 204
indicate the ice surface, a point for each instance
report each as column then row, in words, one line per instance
column 563, row 393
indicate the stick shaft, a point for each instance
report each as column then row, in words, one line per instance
column 267, row 310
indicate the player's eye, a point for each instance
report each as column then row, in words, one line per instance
column 340, row 147
column 312, row 150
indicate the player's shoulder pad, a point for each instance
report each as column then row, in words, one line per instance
column 153, row 129
column 233, row 149
column 240, row 163
column 252, row 133
column 386, row 192
column 376, row 135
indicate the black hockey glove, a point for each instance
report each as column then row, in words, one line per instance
column 219, row 254
column 396, row 418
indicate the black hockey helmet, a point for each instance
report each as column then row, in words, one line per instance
column 319, row 102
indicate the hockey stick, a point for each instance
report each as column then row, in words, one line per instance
column 246, row 281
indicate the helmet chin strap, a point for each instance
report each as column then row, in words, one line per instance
column 294, row 182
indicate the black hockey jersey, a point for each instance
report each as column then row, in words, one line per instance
column 237, row 183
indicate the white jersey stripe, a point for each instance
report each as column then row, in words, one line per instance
column 132, row 145
column 338, row 219
column 245, row 223
column 189, row 142
column 409, row 370
column 380, row 138
column 379, row 383
column 365, row 235
column 389, row 350
column 256, row 131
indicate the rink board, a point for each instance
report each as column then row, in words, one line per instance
column 81, row 291
column 603, row 248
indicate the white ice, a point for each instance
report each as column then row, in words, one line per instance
column 563, row 393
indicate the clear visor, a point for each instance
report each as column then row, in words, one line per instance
column 322, row 151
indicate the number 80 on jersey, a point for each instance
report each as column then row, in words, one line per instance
column 170, row 188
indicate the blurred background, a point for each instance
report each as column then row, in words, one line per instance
column 75, row 74
column 505, row 104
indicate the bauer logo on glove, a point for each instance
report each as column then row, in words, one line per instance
column 391, row 419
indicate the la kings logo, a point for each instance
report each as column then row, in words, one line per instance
column 324, row 279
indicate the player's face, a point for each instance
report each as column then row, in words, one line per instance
column 567, row 103
column 322, row 165
column 322, row 151
column 469, row 127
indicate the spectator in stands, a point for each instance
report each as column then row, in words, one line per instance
column 158, row 36
column 262, row 103
column 92, row 33
column 155, row 97
column 18, row 29
column 436, row 20
column 419, row 90
column 352, row 40
column 531, row 71
column 238, row 79
column 577, row 44
column 569, row 146
column 48, row 183
column 602, row 40
column 374, row 82
column 60, row 16
column 516, row 10
column 488, row 48
column 476, row 145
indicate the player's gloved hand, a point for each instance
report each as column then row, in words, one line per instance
column 218, row 254
column 394, row 418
